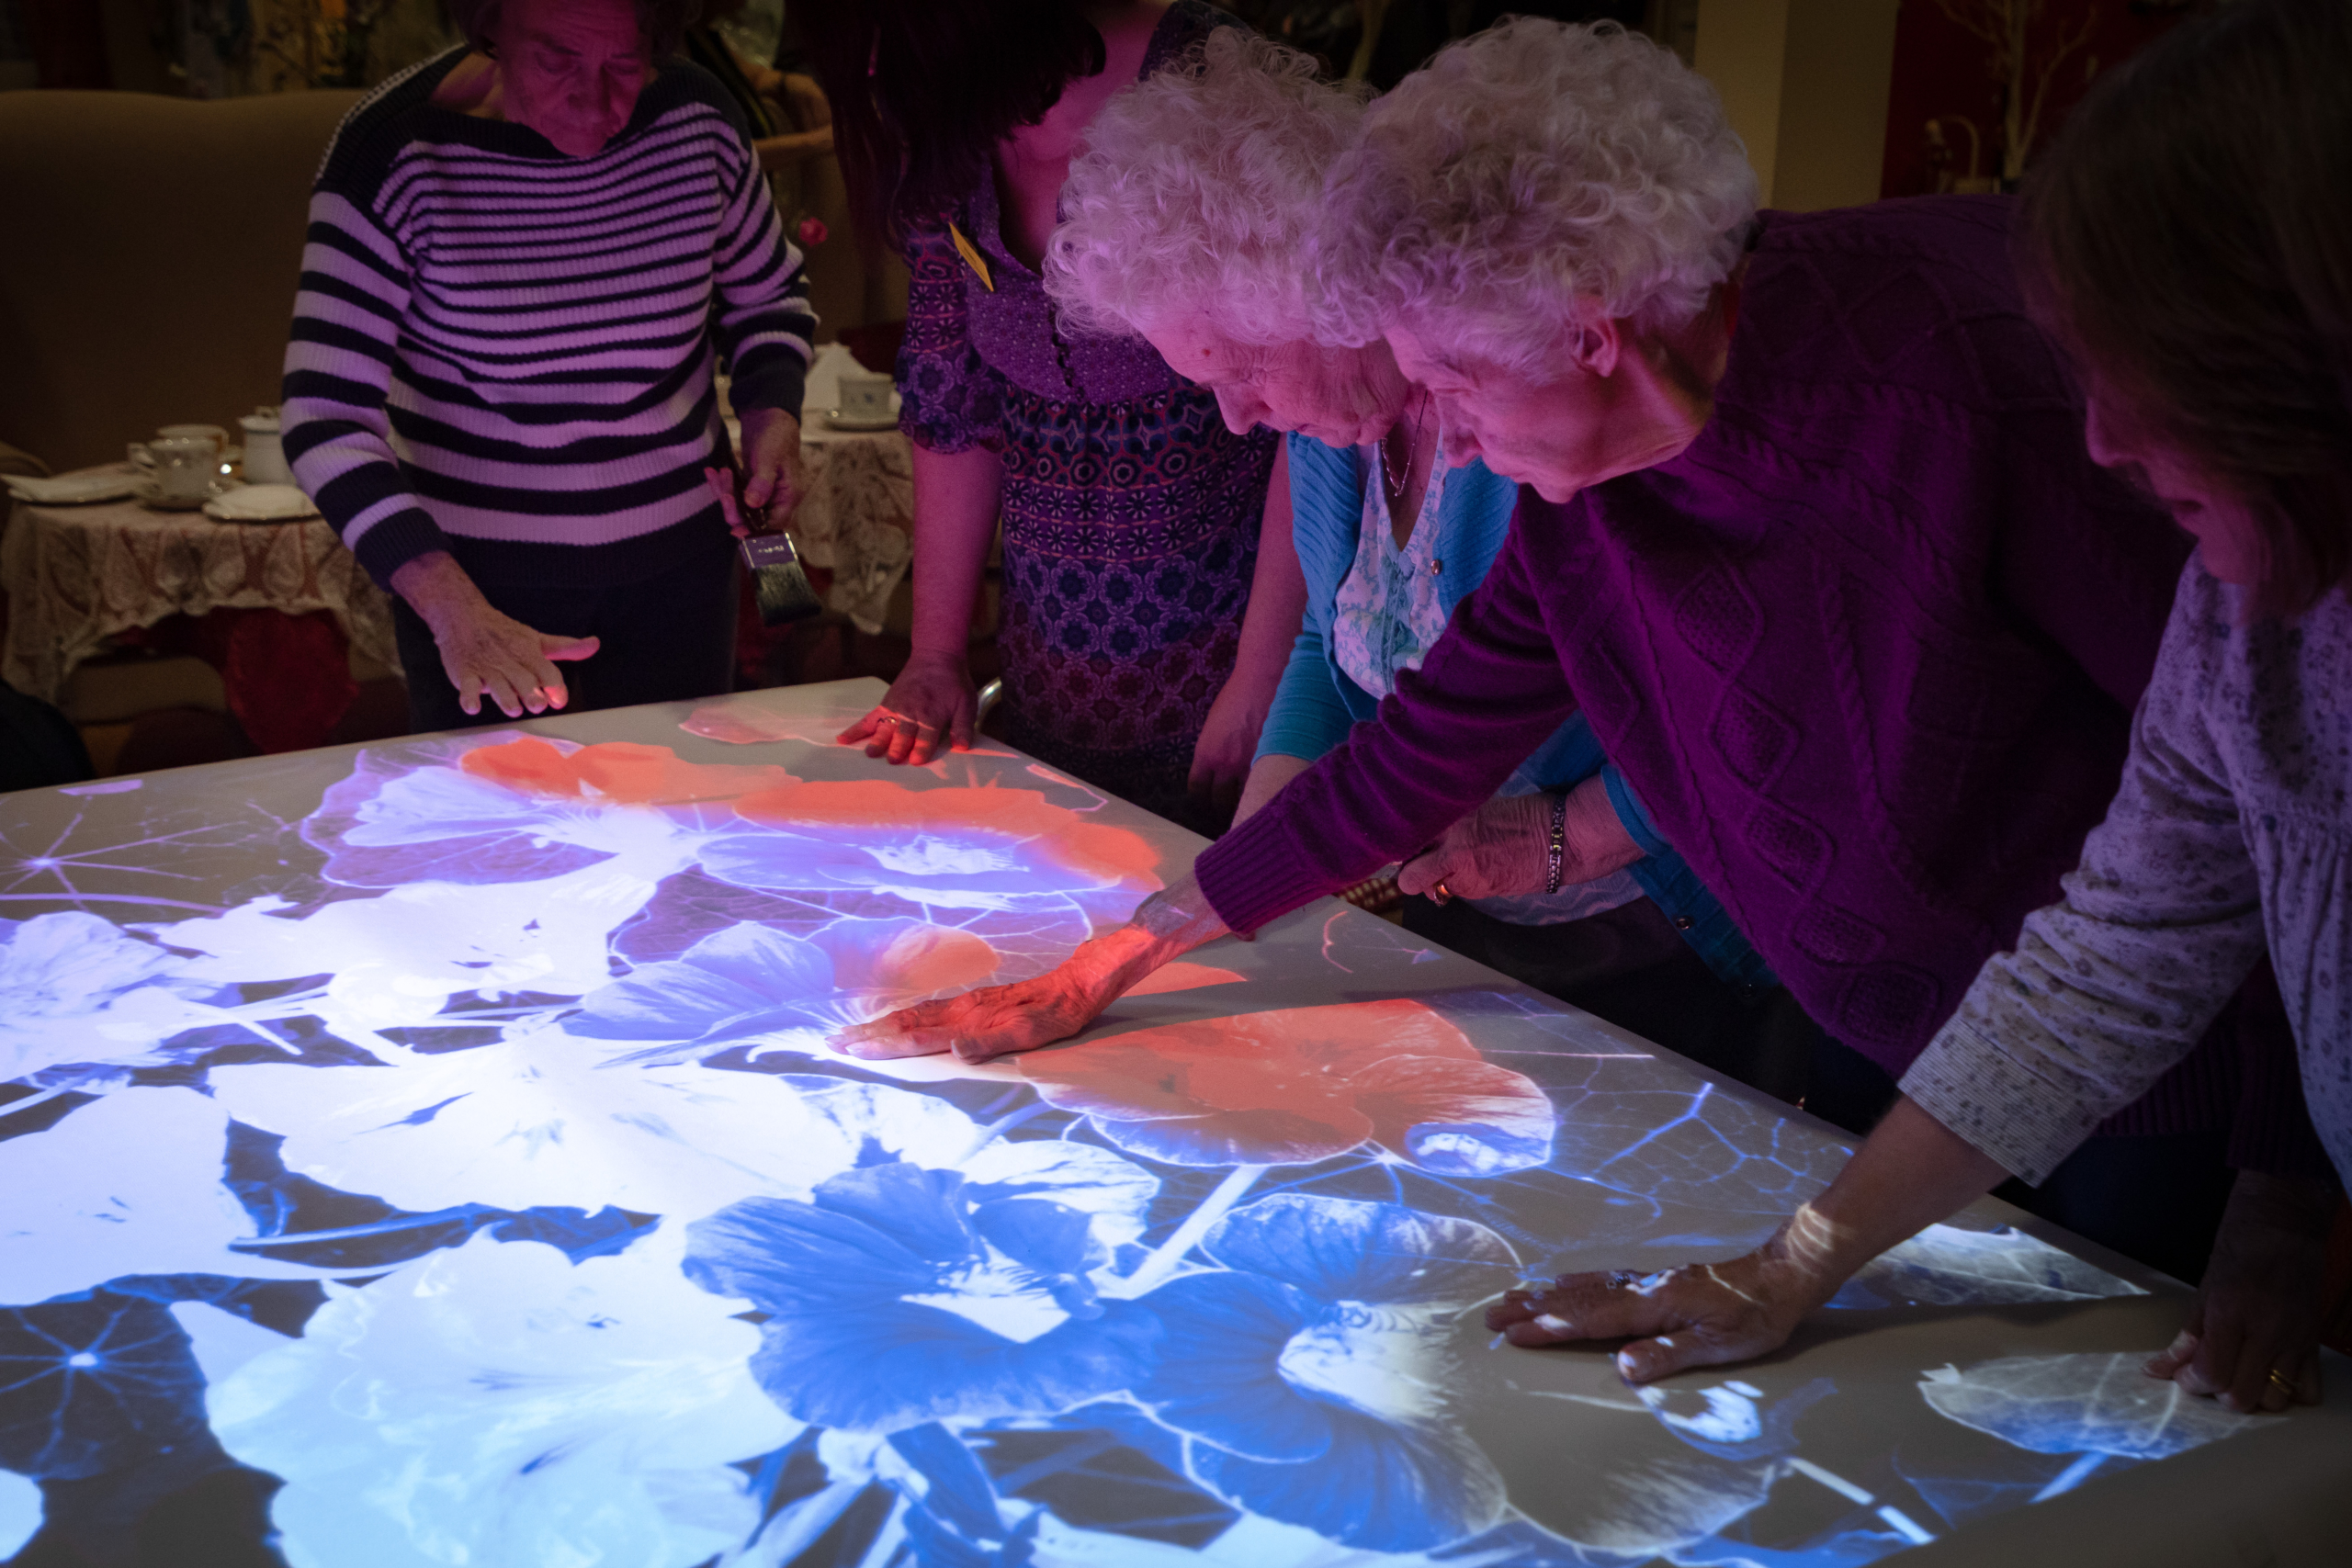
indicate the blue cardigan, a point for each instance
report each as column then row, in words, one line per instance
column 1317, row 702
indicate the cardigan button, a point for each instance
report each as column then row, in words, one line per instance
column 1436, row 566
column 1683, row 922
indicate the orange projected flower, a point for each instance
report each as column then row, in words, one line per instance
column 941, row 843
column 1303, row 1084
column 617, row 771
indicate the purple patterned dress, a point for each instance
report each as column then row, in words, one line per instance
column 1131, row 514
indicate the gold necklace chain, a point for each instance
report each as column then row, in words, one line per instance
column 1412, row 455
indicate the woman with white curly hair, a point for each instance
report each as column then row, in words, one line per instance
column 1813, row 540
column 1186, row 223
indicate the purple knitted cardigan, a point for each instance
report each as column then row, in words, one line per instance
column 1867, row 649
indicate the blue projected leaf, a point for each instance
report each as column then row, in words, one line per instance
column 2058, row 1405
column 888, row 1307
column 93, row 1385
column 1315, row 1386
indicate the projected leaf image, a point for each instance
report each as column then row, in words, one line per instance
column 953, row 848
column 463, row 811
column 76, row 988
column 79, row 1214
column 2064, row 1404
column 495, row 1403
column 1314, row 1376
column 748, row 982
column 1945, row 1265
column 1304, row 1084
column 543, row 1122
column 897, row 1295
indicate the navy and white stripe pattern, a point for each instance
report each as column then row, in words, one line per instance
column 507, row 354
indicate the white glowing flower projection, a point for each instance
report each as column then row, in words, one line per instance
column 76, row 988
column 20, row 1512
column 398, row 958
column 543, row 1121
column 497, row 1404
column 78, row 1214
column 2095, row 1403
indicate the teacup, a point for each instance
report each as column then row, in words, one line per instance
column 864, row 398
column 181, row 470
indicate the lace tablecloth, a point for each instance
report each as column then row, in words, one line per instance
column 78, row 575
column 858, row 519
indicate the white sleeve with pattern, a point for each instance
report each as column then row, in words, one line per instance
column 2154, row 932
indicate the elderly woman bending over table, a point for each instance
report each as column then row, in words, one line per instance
column 1183, row 224
column 1815, row 545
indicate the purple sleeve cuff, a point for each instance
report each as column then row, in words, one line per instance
column 1255, row 872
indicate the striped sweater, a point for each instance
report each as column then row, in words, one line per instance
column 507, row 354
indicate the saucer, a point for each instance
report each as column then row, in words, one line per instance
column 152, row 502
column 260, row 504
column 112, row 483
column 840, row 421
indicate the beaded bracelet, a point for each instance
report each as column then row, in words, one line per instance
column 1556, row 853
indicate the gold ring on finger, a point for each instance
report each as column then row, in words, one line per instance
column 2284, row 1386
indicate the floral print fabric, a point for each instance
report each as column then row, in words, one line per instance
column 1130, row 513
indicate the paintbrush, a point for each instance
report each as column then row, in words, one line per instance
column 779, row 582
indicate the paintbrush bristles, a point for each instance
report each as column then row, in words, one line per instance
column 779, row 584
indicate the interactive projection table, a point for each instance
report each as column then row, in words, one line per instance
column 427, row 1154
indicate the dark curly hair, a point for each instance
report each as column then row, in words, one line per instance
column 662, row 23
column 922, row 91
column 2187, row 239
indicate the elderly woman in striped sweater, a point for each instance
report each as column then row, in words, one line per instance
column 500, row 387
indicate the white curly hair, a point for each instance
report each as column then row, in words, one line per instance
column 1535, row 174
column 1197, row 193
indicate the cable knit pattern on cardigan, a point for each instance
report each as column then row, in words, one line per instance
column 1867, row 649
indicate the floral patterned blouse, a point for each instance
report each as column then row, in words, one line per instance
column 1130, row 513
column 1388, row 613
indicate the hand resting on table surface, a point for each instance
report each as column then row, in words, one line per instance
column 999, row 1020
column 2253, row 1334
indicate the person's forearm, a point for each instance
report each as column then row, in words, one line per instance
column 1164, row 927
column 956, row 496
column 1909, row 1173
column 792, row 150
column 1267, row 776
column 437, row 589
column 1277, row 593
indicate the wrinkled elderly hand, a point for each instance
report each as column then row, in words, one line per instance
column 1503, row 847
column 1701, row 1314
column 485, row 652
column 2252, row 1337
column 775, row 481
column 999, row 1020
column 930, row 708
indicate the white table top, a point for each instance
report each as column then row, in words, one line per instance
column 445, row 1128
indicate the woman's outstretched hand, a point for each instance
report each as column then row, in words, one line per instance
column 1000, row 1020
column 2253, row 1333
column 1701, row 1314
column 931, row 708
column 1910, row 1172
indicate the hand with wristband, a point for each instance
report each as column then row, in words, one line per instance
column 1524, row 844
